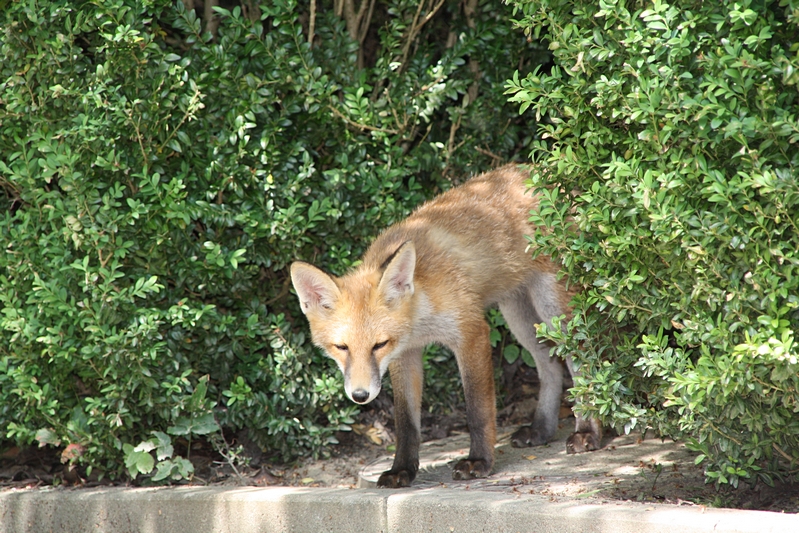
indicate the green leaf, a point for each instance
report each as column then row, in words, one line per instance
column 139, row 462
column 163, row 470
column 47, row 436
column 205, row 424
column 511, row 352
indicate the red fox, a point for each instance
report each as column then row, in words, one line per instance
column 429, row 279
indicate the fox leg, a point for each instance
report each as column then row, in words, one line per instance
column 406, row 380
column 587, row 436
column 477, row 374
column 521, row 316
column 538, row 301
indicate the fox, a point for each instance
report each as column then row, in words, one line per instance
column 429, row 279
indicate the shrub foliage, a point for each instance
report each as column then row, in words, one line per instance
column 670, row 193
column 159, row 170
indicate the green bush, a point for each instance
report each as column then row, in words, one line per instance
column 670, row 193
column 159, row 171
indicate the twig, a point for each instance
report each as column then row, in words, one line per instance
column 415, row 28
column 283, row 292
column 363, row 29
column 367, row 21
column 192, row 101
column 781, row 452
column 490, row 154
column 717, row 430
column 138, row 137
column 452, row 131
column 228, row 456
column 351, row 122
column 357, row 25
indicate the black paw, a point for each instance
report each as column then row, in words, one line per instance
column 526, row 436
column 582, row 442
column 391, row 479
column 471, row 468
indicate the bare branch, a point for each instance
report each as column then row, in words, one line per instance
column 211, row 20
column 251, row 10
column 497, row 159
column 312, row 23
column 366, row 23
column 416, row 26
column 469, row 9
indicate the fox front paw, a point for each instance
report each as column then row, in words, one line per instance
column 526, row 436
column 579, row 442
column 395, row 479
column 470, row 469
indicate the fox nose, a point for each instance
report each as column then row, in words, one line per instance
column 359, row 396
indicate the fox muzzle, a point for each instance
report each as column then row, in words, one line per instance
column 360, row 396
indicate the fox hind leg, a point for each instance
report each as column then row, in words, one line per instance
column 539, row 301
column 587, row 436
column 521, row 316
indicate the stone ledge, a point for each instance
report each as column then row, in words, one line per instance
column 300, row 510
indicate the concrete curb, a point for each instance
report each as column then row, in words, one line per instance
column 298, row 510
column 192, row 509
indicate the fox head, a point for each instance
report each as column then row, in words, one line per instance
column 361, row 320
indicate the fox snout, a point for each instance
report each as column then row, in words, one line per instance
column 362, row 394
column 359, row 396
column 362, row 375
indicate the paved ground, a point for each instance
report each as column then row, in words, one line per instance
column 533, row 490
column 626, row 469
column 650, row 470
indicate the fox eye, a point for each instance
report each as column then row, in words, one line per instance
column 379, row 345
column 342, row 347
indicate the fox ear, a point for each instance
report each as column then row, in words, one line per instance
column 315, row 288
column 397, row 280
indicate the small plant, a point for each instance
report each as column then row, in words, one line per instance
column 139, row 460
column 198, row 421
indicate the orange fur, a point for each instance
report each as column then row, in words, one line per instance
column 429, row 279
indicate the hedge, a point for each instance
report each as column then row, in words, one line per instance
column 669, row 176
column 159, row 168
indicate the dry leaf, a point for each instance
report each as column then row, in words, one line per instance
column 374, row 435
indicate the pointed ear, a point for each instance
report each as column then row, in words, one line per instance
column 316, row 289
column 397, row 280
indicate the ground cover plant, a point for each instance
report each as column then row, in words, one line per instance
column 670, row 193
column 161, row 162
